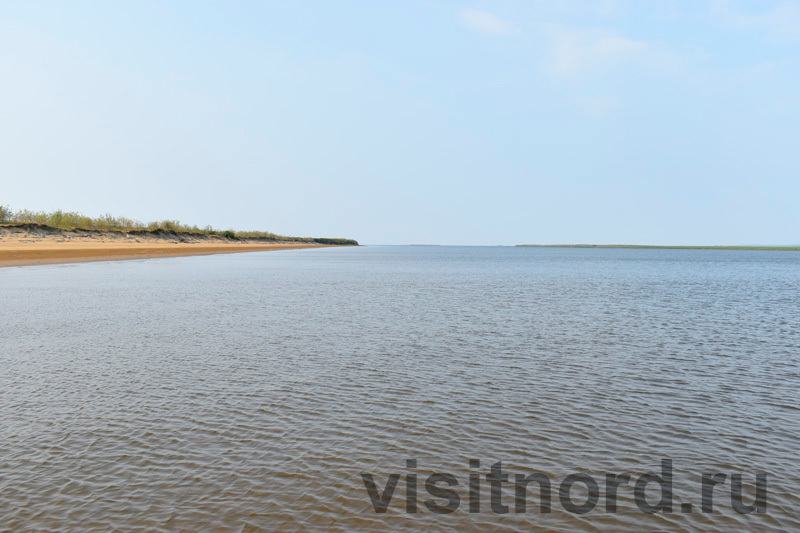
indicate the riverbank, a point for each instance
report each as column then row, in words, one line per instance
column 32, row 244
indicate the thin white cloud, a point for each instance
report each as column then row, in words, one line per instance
column 577, row 51
column 483, row 21
column 597, row 8
column 667, row 9
column 596, row 106
column 781, row 22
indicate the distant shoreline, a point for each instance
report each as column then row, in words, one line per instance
column 665, row 247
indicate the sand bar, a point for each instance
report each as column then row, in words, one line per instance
column 21, row 249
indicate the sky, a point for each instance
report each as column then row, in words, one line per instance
column 447, row 122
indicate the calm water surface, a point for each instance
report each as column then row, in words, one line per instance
column 250, row 391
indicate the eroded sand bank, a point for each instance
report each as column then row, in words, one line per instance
column 37, row 246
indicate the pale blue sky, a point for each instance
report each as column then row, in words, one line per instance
column 498, row 122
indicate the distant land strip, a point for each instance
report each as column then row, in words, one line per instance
column 660, row 247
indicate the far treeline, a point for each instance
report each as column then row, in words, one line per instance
column 71, row 221
column 657, row 247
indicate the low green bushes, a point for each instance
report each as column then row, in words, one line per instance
column 69, row 221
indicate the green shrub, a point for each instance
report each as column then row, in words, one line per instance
column 71, row 220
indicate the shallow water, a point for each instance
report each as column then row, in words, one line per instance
column 251, row 391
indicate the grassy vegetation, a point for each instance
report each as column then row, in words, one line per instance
column 70, row 221
column 656, row 247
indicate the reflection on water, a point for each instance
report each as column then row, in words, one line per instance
column 251, row 391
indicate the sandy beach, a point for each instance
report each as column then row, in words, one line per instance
column 38, row 247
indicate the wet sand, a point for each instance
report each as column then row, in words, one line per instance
column 21, row 249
